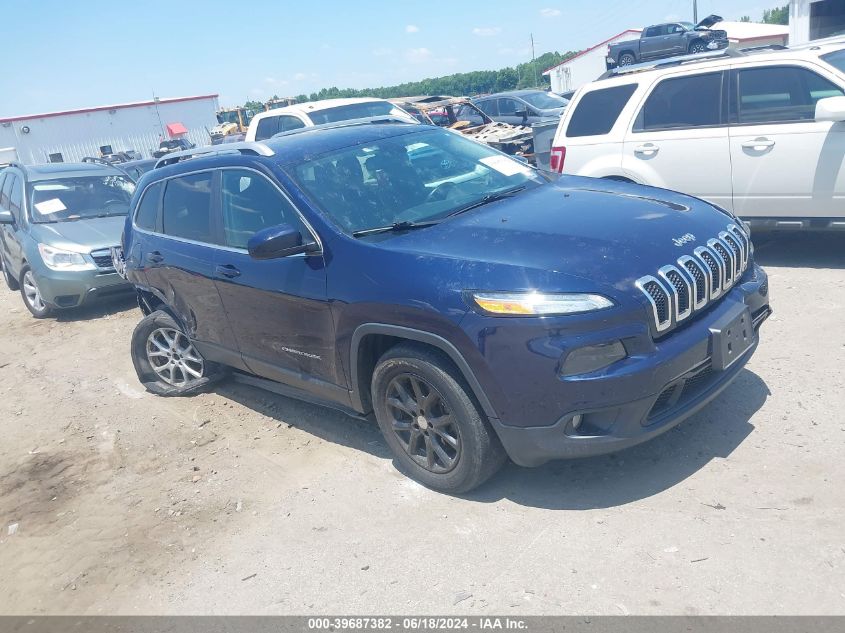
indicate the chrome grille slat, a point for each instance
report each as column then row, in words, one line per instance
column 660, row 300
column 700, row 278
column 681, row 289
column 694, row 281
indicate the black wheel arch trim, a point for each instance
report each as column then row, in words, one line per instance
column 420, row 336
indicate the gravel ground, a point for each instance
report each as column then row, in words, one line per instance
column 115, row 501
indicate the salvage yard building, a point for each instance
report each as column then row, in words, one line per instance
column 70, row 135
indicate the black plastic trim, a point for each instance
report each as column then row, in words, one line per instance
column 423, row 337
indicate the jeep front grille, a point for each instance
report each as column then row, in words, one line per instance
column 694, row 281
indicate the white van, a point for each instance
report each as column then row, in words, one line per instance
column 760, row 132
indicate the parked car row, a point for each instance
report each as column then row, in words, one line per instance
column 478, row 308
column 760, row 133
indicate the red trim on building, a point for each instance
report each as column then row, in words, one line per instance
column 592, row 48
column 120, row 106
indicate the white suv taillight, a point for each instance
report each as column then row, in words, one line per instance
column 556, row 159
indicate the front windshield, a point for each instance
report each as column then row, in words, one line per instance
column 227, row 117
column 545, row 100
column 418, row 177
column 689, row 26
column 356, row 111
column 66, row 199
column 836, row 59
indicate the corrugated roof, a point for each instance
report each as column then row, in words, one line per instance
column 119, row 106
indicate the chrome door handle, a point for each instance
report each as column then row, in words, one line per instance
column 228, row 271
column 759, row 144
column 649, row 149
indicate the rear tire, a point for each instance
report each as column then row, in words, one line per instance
column 166, row 361
column 626, row 59
column 32, row 295
column 435, row 431
column 11, row 282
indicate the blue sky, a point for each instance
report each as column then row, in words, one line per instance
column 63, row 55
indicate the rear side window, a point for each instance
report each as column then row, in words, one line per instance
column 683, row 102
column 147, row 213
column 186, row 208
column 267, row 127
column 656, row 31
column 598, row 110
column 780, row 94
column 288, row 123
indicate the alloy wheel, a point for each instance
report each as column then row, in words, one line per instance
column 173, row 357
column 31, row 292
column 423, row 423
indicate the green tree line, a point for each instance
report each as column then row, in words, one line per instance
column 526, row 75
column 778, row 15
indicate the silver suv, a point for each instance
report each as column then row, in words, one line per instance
column 58, row 223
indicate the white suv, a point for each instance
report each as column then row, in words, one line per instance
column 267, row 124
column 761, row 133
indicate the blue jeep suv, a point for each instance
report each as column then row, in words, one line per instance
column 479, row 308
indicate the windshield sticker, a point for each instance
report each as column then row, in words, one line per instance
column 506, row 166
column 51, row 187
column 54, row 205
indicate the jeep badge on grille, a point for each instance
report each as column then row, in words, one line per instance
column 684, row 239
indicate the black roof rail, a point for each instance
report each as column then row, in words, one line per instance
column 255, row 148
column 667, row 62
column 765, row 47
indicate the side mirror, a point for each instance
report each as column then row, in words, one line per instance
column 278, row 241
column 6, row 217
column 522, row 113
column 830, row 109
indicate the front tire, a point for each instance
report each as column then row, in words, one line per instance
column 697, row 47
column 166, row 361
column 31, row 295
column 431, row 424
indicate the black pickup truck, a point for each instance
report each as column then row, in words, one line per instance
column 668, row 40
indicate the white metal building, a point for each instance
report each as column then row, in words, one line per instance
column 587, row 65
column 814, row 19
column 73, row 134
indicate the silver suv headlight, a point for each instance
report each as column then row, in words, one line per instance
column 60, row 259
column 538, row 303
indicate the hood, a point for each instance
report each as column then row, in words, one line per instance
column 81, row 235
column 600, row 231
column 709, row 21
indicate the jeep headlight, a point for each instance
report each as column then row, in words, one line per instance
column 538, row 303
column 60, row 259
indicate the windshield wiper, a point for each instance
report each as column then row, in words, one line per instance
column 490, row 197
column 395, row 227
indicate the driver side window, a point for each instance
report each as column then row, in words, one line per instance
column 252, row 203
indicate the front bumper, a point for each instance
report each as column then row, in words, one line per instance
column 637, row 399
column 71, row 289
